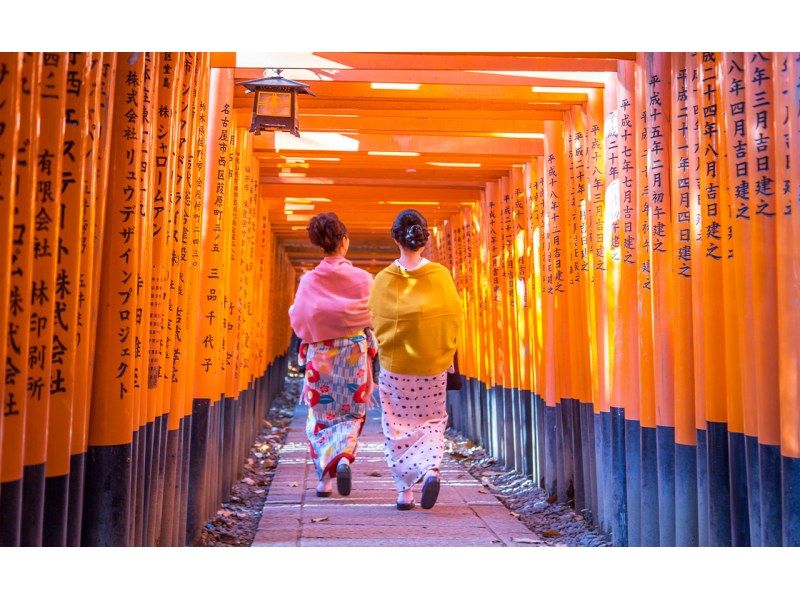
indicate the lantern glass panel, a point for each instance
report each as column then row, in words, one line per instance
column 271, row 103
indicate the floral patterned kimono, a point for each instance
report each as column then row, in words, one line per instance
column 337, row 389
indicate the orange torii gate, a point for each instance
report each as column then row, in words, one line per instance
column 102, row 188
column 627, row 255
column 676, row 240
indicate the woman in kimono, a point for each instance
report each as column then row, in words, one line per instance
column 416, row 315
column 331, row 317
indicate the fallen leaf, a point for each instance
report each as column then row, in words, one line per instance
column 374, row 474
column 526, row 540
column 318, row 519
column 482, row 491
column 293, row 484
column 551, row 533
column 249, row 481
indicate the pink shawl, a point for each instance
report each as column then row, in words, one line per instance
column 331, row 301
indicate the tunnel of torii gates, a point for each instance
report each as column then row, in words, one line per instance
column 623, row 229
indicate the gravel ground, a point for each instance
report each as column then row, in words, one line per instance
column 236, row 522
column 552, row 524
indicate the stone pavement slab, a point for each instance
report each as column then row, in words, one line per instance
column 465, row 514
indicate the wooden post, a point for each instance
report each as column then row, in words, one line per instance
column 657, row 91
column 168, row 77
column 626, row 451
column 46, row 250
column 96, row 163
column 18, row 180
column 208, row 382
column 787, row 124
column 649, row 535
column 10, row 94
column 686, row 279
column 107, row 498
column 744, row 444
column 77, row 143
column 716, row 302
column 167, row 230
column 761, row 144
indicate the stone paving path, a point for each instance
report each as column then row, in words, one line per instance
column 464, row 515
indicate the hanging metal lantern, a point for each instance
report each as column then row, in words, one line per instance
column 275, row 102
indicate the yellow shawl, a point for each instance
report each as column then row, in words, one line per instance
column 416, row 315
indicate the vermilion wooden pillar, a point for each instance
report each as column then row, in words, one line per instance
column 107, row 496
column 16, row 152
column 42, row 349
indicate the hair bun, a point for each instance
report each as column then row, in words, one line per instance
column 410, row 229
column 325, row 230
